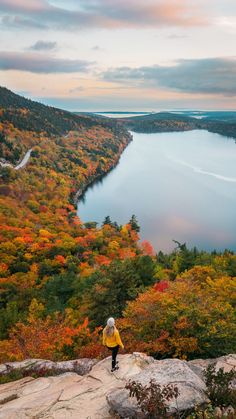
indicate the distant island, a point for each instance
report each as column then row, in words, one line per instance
column 221, row 122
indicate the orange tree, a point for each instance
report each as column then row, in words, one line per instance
column 54, row 337
column 192, row 316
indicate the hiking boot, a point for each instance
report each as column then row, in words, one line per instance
column 115, row 368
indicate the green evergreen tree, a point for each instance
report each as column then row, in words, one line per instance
column 134, row 223
column 107, row 221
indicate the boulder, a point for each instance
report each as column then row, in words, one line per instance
column 70, row 395
column 169, row 371
column 122, row 404
column 80, row 366
column 227, row 362
column 99, row 394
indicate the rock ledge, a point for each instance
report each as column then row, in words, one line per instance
column 101, row 394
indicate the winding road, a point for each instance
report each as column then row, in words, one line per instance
column 22, row 164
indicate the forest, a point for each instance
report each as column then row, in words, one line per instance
column 60, row 278
column 223, row 123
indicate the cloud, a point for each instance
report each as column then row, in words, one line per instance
column 43, row 46
column 36, row 63
column 227, row 22
column 107, row 13
column 20, row 22
column 77, row 89
column 24, row 5
column 208, row 76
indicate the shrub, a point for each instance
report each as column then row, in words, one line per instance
column 193, row 316
column 220, row 388
column 152, row 399
column 213, row 413
column 18, row 373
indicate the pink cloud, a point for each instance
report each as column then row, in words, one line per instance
column 23, row 5
column 180, row 13
column 109, row 13
column 35, row 63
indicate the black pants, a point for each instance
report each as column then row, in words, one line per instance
column 114, row 350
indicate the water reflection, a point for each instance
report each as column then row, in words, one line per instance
column 180, row 186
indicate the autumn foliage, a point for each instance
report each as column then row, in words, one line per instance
column 60, row 278
column 50, row 337
column 194, row 315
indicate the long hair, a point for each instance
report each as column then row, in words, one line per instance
column 109, row 330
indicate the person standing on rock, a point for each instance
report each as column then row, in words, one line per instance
column 112, row 340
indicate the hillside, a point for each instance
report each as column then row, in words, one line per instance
column 37, row 212
column 33, row 116
column 223, row 123
column 229, row 116
column 24, row 123
column 160, row 122
column 60, row 278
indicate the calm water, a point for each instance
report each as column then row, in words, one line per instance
column 180, row 186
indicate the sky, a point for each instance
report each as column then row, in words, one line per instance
column 124, row 55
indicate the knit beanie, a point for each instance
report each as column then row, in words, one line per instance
column 111, row 322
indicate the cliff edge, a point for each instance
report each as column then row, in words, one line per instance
column 100, row 394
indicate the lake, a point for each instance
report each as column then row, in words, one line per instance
column 180, row 185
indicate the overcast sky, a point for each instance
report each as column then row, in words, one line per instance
column 120, row 54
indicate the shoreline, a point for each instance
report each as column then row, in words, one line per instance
column 81, row 192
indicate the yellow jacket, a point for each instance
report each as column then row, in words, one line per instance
column 112, row 341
